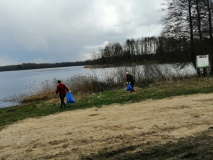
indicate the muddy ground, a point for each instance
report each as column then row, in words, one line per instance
column 174, row 128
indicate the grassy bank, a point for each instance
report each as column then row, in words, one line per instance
column 194, row 147
column 161, row 90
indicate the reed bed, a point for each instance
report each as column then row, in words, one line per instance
column 81, row 86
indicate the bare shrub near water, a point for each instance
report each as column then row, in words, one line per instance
column 45, row 90
column 79, row 85
column 159, row 73
column 82, row 85
column 149, row 74
column 153, row 73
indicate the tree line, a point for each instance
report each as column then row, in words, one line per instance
column 143, row 50
column 191, row 20
column 27, row 66
column 187, row 32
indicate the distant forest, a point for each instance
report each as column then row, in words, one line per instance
column 144, row 50
column 187, row 33
column 27, row 66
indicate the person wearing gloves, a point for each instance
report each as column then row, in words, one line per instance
column 61, row 90
column 130, row 80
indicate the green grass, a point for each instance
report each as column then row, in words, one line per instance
column 193, row 148
column 120, row 96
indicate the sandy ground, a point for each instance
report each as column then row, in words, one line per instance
column 75, row 134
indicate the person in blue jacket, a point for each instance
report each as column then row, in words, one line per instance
column 130, row 80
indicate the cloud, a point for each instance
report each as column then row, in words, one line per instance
column 69, row 30
column 7, row 60
column 97, row 46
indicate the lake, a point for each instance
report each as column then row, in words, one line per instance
column 16, row 83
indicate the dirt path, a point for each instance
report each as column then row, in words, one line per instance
column 74, row 134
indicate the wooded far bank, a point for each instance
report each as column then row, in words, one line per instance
column 187, row 32
column 27, row 66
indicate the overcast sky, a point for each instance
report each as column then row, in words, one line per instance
column 49, row 31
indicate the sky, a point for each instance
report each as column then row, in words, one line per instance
column 52, row 31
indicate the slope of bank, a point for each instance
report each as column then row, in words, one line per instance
column 116, row 132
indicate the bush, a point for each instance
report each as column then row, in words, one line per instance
column 83, row 85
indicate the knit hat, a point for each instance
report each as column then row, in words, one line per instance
column 127, row 73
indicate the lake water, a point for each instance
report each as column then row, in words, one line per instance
column 16, row 83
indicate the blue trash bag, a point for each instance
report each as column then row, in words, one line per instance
column 70, row 98
column 129, row 87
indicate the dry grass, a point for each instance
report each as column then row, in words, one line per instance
column 84, row 85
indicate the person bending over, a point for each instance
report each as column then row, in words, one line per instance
column 130, row 80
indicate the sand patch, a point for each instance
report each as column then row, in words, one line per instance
column 73, row 134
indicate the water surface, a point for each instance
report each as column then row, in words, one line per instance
column 17, row 83
column 24, row 82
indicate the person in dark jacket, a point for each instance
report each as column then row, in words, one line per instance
column 130, row 80
column 61, row 90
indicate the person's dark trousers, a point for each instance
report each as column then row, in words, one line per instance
column 62, row 96
column 132, row 84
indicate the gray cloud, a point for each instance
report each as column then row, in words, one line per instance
column 70, row 30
